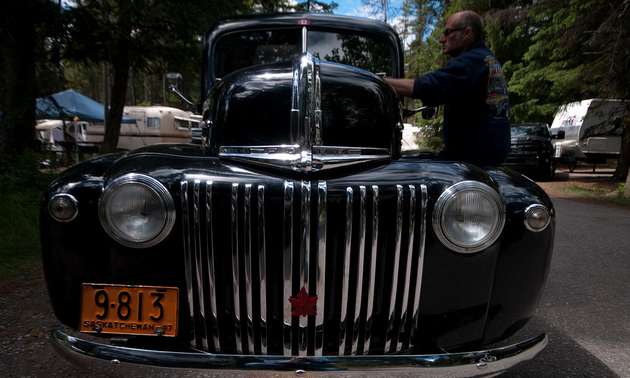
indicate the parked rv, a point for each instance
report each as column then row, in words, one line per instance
column 154, row 124
column 588, row 131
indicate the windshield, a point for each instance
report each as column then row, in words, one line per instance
column 524, row 131
column 244, row 49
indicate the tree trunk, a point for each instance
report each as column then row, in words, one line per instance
column 621, row 173
column 19, row 88
column 106, row 90
column 121, row 64
column 118, row 99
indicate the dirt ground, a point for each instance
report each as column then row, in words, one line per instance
column 26, row 317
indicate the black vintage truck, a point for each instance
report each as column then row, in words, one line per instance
column 296, row 238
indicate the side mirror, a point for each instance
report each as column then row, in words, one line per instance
column 428, row 112
column 431, row 113
column 174, row 83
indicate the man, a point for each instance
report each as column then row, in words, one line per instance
column 473, row 89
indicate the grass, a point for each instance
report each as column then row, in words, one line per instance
column 604, row 190
column 21, row 188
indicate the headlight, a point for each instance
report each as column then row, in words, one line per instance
column 468, row 217
column 137, row 211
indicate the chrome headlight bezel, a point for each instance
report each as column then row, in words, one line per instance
column 484, row 193
column 155, row 188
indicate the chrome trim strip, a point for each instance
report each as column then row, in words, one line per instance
column 262, row 268
column 199, row 264
column 410, row 252
column 288, row 156
column 287, row 268
column 322, row 220
column 188, row 260
column 305, row 256
column 345, row 284
column 359, row 271
column 367, row 335
column 392, row 302
column 303, row 109
column 212, row 288
column 484, row 363
column 424, row 195
column 238, row 332
column 249, row 282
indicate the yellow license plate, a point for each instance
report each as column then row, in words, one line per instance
column 129, row 310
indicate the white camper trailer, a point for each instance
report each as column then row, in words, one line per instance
column 154, row 124
column 588, row 131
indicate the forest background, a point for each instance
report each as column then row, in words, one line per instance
column 116, row 51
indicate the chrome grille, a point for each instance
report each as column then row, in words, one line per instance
column 280, row 240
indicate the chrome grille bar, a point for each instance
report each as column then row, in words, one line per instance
column 361, row 256
column 346, row 271
column 235, row 269
column 372, row 272
column 247, row 249
column 287, row 260
column 212, row 290
column 188, row 260
column 359, row 271
column 421, row 245
column 411, row 230
column 322, row 220
column 262, row 268
column 199, row 263
column 394, row 292
column 304, row 261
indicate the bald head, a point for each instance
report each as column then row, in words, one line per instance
column 460, row 31
column 470, row 19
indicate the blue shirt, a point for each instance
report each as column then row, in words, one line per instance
column 476, row 106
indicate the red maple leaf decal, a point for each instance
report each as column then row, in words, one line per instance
column 303, row 304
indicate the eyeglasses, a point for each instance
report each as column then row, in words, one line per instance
column 449, row 31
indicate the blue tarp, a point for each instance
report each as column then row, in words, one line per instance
column 71, row 105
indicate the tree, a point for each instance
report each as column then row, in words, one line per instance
column 580, row 50
column 381, row 9
column 29, row 45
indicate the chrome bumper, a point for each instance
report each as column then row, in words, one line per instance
column 485, row 363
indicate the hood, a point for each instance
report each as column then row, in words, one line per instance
column 304, row 109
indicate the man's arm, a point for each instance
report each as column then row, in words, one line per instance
column 403, row 87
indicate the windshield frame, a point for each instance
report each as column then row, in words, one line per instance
column 305, row 22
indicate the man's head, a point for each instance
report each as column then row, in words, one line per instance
column 460, row 31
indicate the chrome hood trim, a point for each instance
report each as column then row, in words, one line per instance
column 306, row 152
column 297, row 158
column 485, row 363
